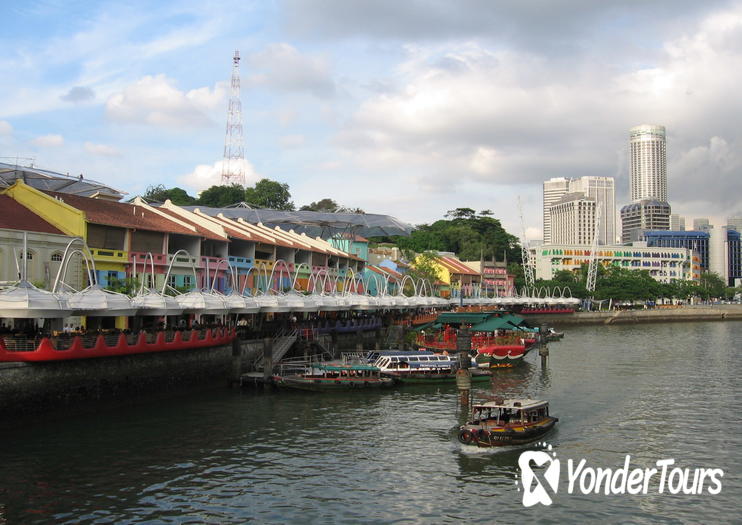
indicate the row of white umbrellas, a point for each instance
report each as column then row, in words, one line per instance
column 26, row 301
column 515, row 300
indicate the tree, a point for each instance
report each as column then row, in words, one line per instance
column 269, row 194
column 220, row 196
column 176, row 195
column 424, row 267
column 468, row 235
column 326, row 205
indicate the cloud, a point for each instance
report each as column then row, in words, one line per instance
column 281, row 66
column 293, row 141
column 547, row 26
column 5, row 128
column 48, row 141
column 470, row 114
column 101, row 149
column 204, row 176
column 154, row 100
column 78, row 94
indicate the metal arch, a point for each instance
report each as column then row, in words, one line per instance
column 92, row 279
column 285, row 266
column 170, row 267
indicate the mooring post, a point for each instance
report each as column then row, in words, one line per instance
column 463, row 375
column 267, row 360
column 236, row 362
column 543, row 349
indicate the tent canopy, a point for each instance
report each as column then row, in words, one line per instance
column 316, row 223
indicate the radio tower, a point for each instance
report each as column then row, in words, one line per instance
column 233, row 167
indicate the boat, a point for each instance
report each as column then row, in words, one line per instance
column 552, row 335
column 507, row 422
column 323, row 377
column 419, row 366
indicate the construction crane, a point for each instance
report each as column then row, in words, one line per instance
column 525, row 253
column 592, row 269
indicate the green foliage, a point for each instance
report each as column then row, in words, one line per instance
column 269, row 194
column 176, row 195
column 329, row 206
column 128, row 285
column 465, row 233
column 41, row 285
column 424, row 268
column 220, row 196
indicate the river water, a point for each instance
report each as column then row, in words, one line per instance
column 223, row 456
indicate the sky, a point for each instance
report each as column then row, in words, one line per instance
column 403, row 108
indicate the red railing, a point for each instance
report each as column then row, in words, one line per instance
column 85, row 347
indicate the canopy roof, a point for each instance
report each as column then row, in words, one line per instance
column 46, row 180
column 316, row 223
column 517, row 404
column 339, row 367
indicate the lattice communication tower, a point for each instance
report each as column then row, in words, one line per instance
column 233, row 167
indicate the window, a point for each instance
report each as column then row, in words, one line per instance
column 172, row 281
column 188, row 281
column 29, row 255
column 57, row 257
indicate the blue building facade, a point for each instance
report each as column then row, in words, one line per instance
column 698, row 241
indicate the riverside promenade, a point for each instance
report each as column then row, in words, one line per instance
column 723, row 312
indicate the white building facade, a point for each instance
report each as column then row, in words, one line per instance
column 663, row 264
column 648, row 161
column 573, row 220
column 601, row 190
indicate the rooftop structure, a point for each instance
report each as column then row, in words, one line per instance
column 47, row 180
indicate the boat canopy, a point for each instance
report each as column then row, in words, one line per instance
column 512, row 404
column 342, row 368
column 463, row 317
column 506, row 322
column 25, row 301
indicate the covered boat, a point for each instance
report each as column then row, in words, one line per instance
column 507, row 422
column 327, row 377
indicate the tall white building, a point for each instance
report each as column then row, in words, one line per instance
column 601, row 190
column 648, row 160
column 677, row 222
column 554, row 189
column 573, row 219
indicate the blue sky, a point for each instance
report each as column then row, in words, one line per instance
column 406, row 108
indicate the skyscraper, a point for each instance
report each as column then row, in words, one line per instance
column 573, row 219
column 677, row 223
column 599, row 189
column 648, row 163
column 649, row 209
column 554, row 189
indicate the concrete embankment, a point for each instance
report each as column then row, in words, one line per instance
column 654, row 315
column 28, row 388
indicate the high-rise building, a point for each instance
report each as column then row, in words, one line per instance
column 638, row 217
column 735, row 223
column 677, row 223
column 573, row 219
column 554, row 189
column 601, row 190
column 649, row 209
column 648, row 163
column 701, row 224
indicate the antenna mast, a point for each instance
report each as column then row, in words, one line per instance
column 233, row 167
